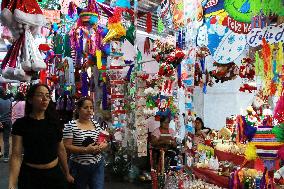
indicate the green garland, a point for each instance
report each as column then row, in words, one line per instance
column 254, row 8
column 263, row 132
column 279, row 132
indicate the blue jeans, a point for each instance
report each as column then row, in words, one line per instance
column 88, row 175
column 6, row 135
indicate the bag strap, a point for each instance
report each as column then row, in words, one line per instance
column 14, row 105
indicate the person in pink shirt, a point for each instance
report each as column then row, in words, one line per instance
column 163, row 138
column 18, row 107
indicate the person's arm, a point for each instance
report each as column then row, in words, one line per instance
column 91, row 149
column 160, row 141
column 15, row 160
column 103, row 146
column 62, row 155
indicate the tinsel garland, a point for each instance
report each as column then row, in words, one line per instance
column 267, row 7
column 79, row 48
column 250, row 152
column 99, row 59
column 149, row 23
column 147, row 46
column 129, row 72
column 279, row 109
column 161, row 26
column 259, row 68
column 84, row 81
column 264, row 132
column 104, row 98
column 279, row 132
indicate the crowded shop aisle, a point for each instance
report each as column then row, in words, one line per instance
column 109, row 184
column 160, row 94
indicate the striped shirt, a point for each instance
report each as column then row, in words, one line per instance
column 71, row 131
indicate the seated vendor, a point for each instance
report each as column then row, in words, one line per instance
column 163, row 138
column 200, row 132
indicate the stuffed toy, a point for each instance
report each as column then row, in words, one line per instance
column 247, row 69
column 225, row 72
column 23, row 18
column 258, row 102
column 225, row 133
column 175, row 57
column 279, row 175
column 247, row 88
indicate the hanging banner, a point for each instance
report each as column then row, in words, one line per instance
column 213, row 7
column 236, row 26
column 272, row 34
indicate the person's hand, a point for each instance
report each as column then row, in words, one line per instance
column 69, row 178
column 92, row 148
column 1, row 125
column 12, row 187
column 103, row 146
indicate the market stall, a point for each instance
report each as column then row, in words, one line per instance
column 155, row 66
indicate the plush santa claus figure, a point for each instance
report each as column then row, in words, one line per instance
column 23, row 18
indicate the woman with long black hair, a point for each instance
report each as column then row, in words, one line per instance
column 81, row 139
column 39, row 133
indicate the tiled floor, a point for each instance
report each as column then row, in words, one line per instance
column 110, row 183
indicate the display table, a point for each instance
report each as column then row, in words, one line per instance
column 234, row 158
column 211, row 177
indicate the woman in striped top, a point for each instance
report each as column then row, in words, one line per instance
column 80, row 139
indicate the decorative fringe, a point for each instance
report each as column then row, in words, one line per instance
column 280, row 57
column 147, row 46
column 129, row 72
column 259, row 67
column 149, row 23
column 161, row 26
column 281, row 153
column 104, row 99
column 84, row 81
column 250, row 152
column 72, row 9
column 255, row 7
column 99, row 59
column 279, row 110
column 279, row 132
column 249, row 130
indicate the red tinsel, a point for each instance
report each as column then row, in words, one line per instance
column 247, row 70
column 266, row 53
column 279, row 109
column 117, row 16
column 149, row 23
column 247, row 87
column 147, row 46
column 42, row 76
column 166, row 70
column 44, row 47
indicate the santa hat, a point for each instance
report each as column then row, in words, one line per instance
column 25, row 12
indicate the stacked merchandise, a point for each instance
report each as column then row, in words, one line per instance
column 140, row 123
column 267, row 145
column 117, row 85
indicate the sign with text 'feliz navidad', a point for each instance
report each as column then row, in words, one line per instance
column 272, row 34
